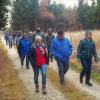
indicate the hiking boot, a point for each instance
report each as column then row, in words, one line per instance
column 37, row 88
column 88, row 83
column 51, row 60
column 61, row 82
column 81, row 79
column 27, row 68
column 44, row 90
column 22, row 64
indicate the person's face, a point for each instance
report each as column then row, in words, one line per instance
column 50, row 31
column 30, row 33
column 38, row 29
column 61, row 36
column 89, row 36
column 25, row 35
column 39, row 42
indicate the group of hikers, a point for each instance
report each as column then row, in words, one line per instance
column 39, row 49
column 10, row 39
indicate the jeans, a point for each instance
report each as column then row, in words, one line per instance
column 43, row 72
column 86, row 64
column 22, row 57
column 10, row 44
column 62, row 69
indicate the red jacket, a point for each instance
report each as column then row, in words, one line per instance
column 36, row 58
column 40, row 58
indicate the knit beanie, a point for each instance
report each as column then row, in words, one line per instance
column 38, row 38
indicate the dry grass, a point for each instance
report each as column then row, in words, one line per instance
column 69, row 90
column 11, row 87
column 77, row 36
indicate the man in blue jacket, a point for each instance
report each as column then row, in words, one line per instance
column 24, row 46
column 61, row 49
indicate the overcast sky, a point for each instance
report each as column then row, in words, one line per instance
column 70, row 3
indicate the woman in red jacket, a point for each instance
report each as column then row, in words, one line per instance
column 38, row 59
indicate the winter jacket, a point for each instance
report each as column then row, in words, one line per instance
column 49, row 39
column 10, row 38
column 17, row 39
column 86, row 50
column 61, row 49
column 6, row 36
column 36, row 58
column 40, row 34
column 24, row 46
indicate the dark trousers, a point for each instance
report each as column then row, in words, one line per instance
column 62, row 69
column 18, row 50
column 49, row 55
column 22, row 57
column 6, row 41
column 14, row 40
column 32, row 64
column 86, row 71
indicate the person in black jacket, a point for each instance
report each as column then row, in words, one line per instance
column 49, row 39
column 40, row 33
column 38, row 58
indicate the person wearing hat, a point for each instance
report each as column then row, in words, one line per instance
column 61, row 49
column 38, row 57
column 86, row 50
column 24, row 46
column 49, row 38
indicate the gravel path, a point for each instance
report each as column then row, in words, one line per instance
column 26, row 75
column 73, row 77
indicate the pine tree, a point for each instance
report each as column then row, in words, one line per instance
column 3, row 13
column 25, row 13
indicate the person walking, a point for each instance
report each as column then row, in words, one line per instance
column 30, row 34
column 24, row 46
column 86, row 50
column 10, row 40
column 6, row 37
column 38, row 57
column 40, row 33
column 14, row 36
column 17, row 39
column 49, row 38
column 61, row 49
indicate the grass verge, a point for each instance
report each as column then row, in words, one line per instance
column 11, row 87
column 69, row 90
column 95, row 74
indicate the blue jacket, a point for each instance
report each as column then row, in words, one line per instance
column 61, row 49
column 24, row 46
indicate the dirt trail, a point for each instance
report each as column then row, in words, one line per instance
column 74, row 78
column 26, row 76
